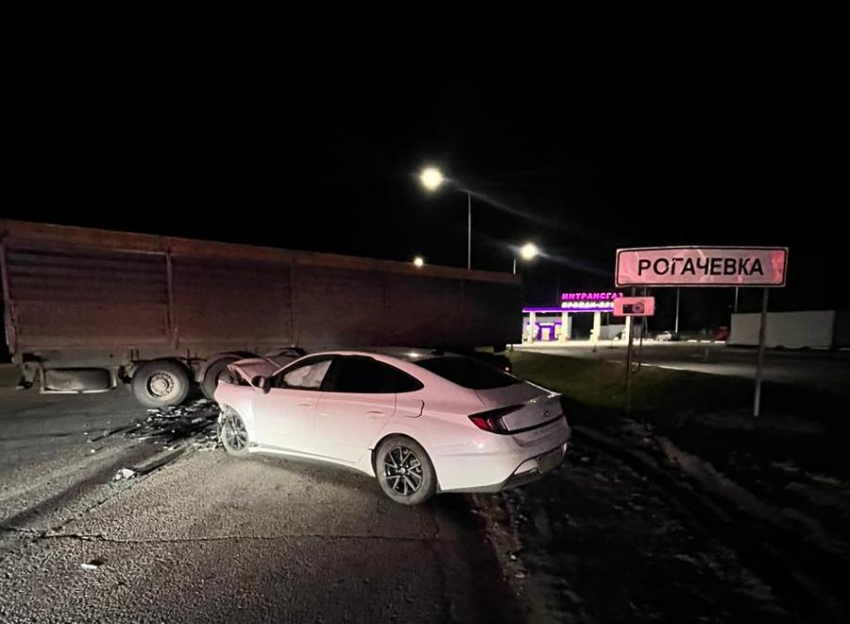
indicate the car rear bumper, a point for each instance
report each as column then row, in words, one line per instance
column 509, row 462
column 527, row 472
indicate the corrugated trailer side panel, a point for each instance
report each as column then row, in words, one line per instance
column 67, row 297
column 425, row 307
column 235, row 304
column 491, row 312
column 78, row 288
column 335, row 306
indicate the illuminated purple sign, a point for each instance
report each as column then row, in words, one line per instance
column 581, row 302
column 589, row 301
column 575, row 306
column 591, row 296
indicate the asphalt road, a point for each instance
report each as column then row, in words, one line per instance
column 207, row 537
column 818, row 369
column 201, row 536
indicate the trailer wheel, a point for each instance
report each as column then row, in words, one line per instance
column 215, row 372
column 161, row 383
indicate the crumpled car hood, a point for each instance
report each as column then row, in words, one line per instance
column 265, row 366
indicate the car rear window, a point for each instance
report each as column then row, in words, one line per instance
column 468, row 373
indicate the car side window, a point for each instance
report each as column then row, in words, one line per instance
column 304, row 376
column 363, row 375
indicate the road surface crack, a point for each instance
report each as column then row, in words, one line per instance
column 98, row 537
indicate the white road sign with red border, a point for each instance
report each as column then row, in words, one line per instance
column 702, row 266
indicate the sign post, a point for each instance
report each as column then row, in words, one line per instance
column 760, row 357
column 764, row 267
column 629, row 374
column 631, row 307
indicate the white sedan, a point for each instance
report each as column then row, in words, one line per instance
column 422, row 422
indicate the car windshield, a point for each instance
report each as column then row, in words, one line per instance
column 468, row 373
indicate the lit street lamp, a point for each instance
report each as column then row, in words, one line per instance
column 432, row 178
column 527, row 252
column 419, row 262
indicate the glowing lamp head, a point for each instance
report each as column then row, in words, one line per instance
column 528, row 251
column 419, row 261
column 431, row 178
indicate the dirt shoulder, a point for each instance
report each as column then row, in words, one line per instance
column 764, row 502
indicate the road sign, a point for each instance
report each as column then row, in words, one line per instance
column 763, row 267
column 702, row 266
column 634, row 306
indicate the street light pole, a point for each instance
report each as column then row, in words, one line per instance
column 431, row 178
column 676, row 330
column 469, row 231
column 514, row 265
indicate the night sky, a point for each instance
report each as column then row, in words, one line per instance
column 581, row 146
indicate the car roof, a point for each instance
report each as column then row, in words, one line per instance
column 406, row 354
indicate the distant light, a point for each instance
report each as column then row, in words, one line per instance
column 431, row 178
column 529, row 251
column 419, row 261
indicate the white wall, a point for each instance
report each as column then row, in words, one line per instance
column 607, row 332
column 791, row 330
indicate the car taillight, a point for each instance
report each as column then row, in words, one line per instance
column 492, row 420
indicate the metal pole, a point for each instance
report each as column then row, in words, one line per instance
column 514, row 266
column 642, row 332
column 629, row 374
column 676, row 329
column 760, row 360
column 640, row 343
column 469, row 231
column 735, row 307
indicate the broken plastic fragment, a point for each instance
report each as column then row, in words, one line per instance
column 94, row 564
column 124, row 473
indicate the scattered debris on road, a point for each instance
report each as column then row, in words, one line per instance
column 193, row 423
column 124, row 473
column 94, row 564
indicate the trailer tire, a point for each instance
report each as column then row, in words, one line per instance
column 215, row 372
column 161, row 383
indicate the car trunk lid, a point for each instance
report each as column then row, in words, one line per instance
column 532, row 406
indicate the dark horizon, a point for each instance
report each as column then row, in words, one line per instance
column 579, row 148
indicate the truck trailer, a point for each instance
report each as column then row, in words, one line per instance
column 86, row 310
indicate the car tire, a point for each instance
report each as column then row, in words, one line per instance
column 233, row 434
column 215, row 372
column 404, row 470
column 161, row 383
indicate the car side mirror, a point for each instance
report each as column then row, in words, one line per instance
column 261, row 383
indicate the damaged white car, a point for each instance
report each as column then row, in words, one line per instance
column 421, row 422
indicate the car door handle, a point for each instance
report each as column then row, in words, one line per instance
column 375, row 413
column 304, row 404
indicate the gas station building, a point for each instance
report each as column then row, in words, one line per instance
column 555, row 324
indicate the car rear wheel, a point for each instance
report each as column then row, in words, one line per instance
column 404, row 471
column 233, row 434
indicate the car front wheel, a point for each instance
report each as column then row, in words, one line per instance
column 404, row 471
column 233, row 434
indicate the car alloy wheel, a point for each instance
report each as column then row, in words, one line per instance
column 403, row 470
column 234, row 435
